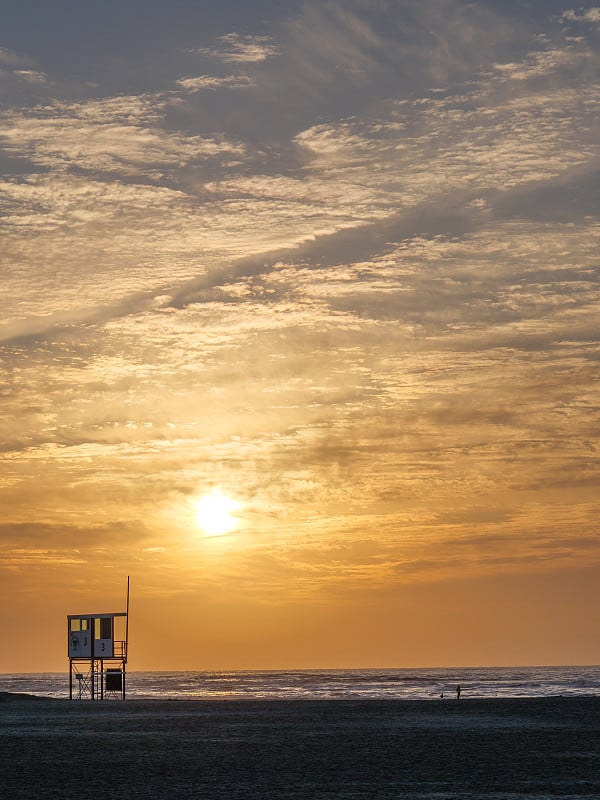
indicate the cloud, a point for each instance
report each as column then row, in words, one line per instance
column 39, row 546
column 332, row 51
column 31, row 76
column 118, row 135
column 542, row 64
column 240, row 49
column 373, row 319
column 19, row 78
column 10, row 58
column 591, row 15
column 201, row 82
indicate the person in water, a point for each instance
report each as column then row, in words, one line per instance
column 458, row 692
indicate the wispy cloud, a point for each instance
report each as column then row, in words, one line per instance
column 11, row 58
column 201, row 82
column 591, row 15
column 240, row 49
column 31, row 76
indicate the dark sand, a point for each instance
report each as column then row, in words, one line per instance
column 171, row 750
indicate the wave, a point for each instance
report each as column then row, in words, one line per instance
column 429, row 683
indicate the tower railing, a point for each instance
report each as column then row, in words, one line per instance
column 120, row 650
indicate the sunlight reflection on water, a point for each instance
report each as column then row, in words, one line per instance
column 328, row 684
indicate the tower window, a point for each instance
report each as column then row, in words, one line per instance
column 103, row 628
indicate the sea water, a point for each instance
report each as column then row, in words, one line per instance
column 407, row 684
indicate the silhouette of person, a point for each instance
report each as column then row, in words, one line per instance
column 458, row 692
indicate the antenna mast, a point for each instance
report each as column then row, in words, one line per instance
column 127, row 620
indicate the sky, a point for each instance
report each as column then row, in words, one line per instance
column 299, row 321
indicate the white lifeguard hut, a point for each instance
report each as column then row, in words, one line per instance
column 97, row 649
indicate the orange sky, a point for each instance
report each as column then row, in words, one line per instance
column 337, row 265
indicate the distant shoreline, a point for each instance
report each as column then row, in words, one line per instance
column 450, row 699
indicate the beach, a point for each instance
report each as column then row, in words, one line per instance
column 342, row 749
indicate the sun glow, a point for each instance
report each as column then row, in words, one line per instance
column 215, row 514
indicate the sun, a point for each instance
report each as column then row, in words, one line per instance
column 214, row 514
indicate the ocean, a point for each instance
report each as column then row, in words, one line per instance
column 381, row 684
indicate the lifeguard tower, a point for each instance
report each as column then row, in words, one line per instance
column 98, row 654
